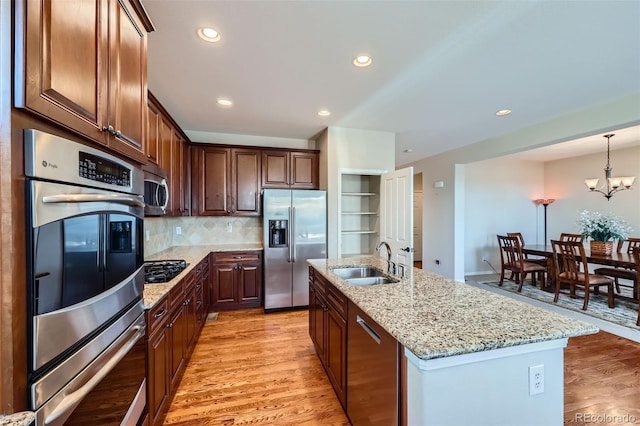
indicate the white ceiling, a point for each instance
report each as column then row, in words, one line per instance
column 440, row 71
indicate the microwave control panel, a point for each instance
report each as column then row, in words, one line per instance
column 100, row 169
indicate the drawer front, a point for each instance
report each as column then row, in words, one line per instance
column 157, row 316
column 176, row 296
column 237, row 256
column 336, row 300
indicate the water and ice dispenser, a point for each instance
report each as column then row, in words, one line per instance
column 278, row 233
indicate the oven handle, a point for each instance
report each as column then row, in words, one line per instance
column 113, row 356
column 129, row 200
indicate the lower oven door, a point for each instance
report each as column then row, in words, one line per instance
column 110, row 390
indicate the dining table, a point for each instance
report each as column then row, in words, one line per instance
column 615, row 259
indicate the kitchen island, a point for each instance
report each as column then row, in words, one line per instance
column 468, row 352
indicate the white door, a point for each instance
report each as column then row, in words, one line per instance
column 417, row 226
column 396, row 214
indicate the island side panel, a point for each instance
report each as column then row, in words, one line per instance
column 493, row 391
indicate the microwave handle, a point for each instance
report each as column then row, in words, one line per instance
column 130, row 200
column 164, row 184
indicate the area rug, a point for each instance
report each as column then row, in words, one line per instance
column 624, row 313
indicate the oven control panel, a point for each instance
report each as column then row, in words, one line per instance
column 103, row 170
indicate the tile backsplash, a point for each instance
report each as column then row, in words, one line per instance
column 162, row 233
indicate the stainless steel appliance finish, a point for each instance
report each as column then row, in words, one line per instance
column 372, row 372
column 83, row 372
column 156, row 191
column 295, row 229
column 85, row 279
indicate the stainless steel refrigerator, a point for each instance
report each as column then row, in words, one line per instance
column 295, row 229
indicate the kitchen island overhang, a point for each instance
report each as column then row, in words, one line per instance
column 468, row 351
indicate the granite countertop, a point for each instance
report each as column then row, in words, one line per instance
column 192, row 255
column 23, row 418
column 436, row 317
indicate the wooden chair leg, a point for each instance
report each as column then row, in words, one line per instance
column 610, row 295
column 586, row 298
column 555, row 297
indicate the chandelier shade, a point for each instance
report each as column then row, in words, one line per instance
column 612, row 184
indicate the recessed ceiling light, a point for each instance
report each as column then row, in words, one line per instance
column 225, row 102
column 362, row 61
column 209, row 34
column 503, row 112
column 324, row 113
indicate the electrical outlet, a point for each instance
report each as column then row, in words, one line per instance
column 536, row 379
column 147, row 234
column 229, row 227
column 437, row 261
column 484, row 259
column 178, row 230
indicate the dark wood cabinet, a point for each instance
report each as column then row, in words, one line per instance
column 153, row 146
column 290, row 169
column 158, row 356
column 167, row 146
column 83, row 65
column 225, row 181
column 236, row 280
column 328, row 330
column 173, row 328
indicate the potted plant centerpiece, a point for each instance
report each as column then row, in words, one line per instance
column 602, row 229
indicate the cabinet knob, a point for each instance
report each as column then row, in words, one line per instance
column 109, row 129
column 117, row 134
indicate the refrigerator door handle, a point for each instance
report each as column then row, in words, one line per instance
column 289, row 236
column 292, row 236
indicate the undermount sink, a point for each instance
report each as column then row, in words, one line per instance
column 371, row 280
column 356, row 272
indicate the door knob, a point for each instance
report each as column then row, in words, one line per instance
column 408, row 249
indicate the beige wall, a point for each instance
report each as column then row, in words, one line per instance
column 443, row 214
column 354, row 150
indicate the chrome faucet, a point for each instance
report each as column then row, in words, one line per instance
column 391, row 266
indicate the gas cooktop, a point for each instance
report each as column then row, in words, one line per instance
column 161, row 271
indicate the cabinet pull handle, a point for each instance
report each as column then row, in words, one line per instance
column 109, row 129
column 159, row 314
column 237, row 257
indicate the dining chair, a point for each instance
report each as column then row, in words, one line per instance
column 635, row 253
column 513, row 261
column 569, row 259
column 622, row 273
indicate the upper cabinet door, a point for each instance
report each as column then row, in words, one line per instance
column 245, row 182
column 275, row 169
column 290, row 169
column 210, row 176
column 304, row 170
column 127, row 80
column 83, row 65
column 61, row 57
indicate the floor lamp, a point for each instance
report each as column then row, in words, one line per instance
column 545, row 202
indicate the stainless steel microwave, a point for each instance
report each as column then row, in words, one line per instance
column 156, row 191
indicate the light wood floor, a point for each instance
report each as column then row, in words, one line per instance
column 252, row 368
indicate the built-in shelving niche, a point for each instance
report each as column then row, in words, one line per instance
column 359, row 223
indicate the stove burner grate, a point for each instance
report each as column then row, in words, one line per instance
column 161, row 271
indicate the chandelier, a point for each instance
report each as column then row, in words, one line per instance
column 613, row 184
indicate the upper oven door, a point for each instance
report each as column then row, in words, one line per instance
column 85, row 265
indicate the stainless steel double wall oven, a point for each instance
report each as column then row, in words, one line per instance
column 85, row 282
